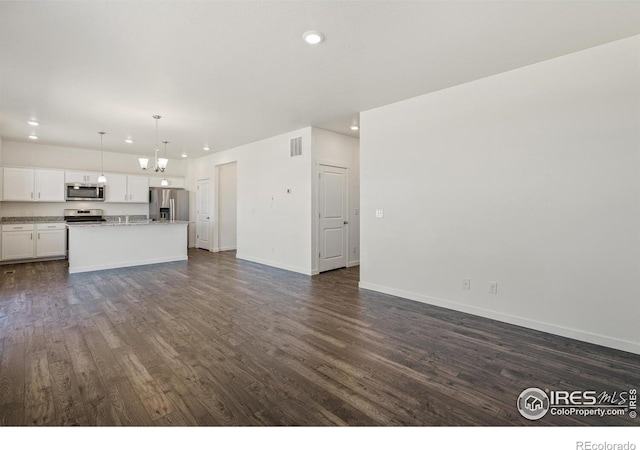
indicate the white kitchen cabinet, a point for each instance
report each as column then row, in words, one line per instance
column 127, row 189
column 18, row 184
column 51, row 240
column 27, row 241
column 173, row 182
column 49, row 185
column 81, row 177
column 17, row 242
column 138, row 189
column 116, row 188
column 26, row 185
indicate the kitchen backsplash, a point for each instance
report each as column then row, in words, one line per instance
column 39, row 219
column 132, row 217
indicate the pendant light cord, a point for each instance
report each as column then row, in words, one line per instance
column 101, row 156
column 101, row 133
column 156, row 152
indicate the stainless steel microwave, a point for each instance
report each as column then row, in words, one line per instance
column 84, row 192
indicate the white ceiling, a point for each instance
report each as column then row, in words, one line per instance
column 225, row 73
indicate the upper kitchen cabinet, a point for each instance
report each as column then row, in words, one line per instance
column 28, row 185
column 81, row 177
column 138, row 189
column 172, row 182
column 126, row 189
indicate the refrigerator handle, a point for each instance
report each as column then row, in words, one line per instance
column 172, row 209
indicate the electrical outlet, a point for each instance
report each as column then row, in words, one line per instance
column 379, row 213
column 493, row 287
column 354, row 250
column 466, row 284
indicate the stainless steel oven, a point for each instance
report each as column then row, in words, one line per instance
column 82, row 216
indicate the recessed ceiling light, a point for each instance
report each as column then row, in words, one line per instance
column 129, row 141
column 205, row 148
column 33, row 136
column 313, row 37
column 33, row 123
column 355, row 127
column 184, row 155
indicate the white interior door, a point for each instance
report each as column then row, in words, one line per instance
column 333, row 221
column 203, row 214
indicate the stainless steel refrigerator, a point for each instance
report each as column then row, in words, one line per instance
column 168, row 204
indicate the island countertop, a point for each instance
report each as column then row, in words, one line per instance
column 130, row 223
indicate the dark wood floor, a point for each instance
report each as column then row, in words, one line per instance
column 218, row 341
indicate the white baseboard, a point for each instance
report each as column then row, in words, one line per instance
column 353, row 263
column 226, row 249
column 274, row 264
column 559, row 330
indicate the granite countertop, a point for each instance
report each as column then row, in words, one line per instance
column 130, row 223
column 19, row 220
column 32, row 219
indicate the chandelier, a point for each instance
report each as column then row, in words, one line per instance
column 160, row 163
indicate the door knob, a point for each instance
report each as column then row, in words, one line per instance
column 346, row 222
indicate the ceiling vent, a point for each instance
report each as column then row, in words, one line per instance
column 296, row 146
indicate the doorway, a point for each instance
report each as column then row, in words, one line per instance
column 333, row 198
column 203, row 214
column 227, row 204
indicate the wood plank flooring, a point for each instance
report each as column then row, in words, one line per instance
column 219, row 341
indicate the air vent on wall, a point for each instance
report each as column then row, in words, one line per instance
column 296, row 146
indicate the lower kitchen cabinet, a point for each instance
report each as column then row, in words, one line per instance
column 51, row 240
column 17, row 242
column 27, row 241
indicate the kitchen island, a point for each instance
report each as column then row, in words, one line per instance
column 110, row 245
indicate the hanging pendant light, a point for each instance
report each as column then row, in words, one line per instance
column 164, row 181
column 160, row 163
column 101, row 179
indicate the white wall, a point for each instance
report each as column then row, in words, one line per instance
column 28, row 154
column 336, row 149
column 227, row 207
column 530, row 178
column 1, row 175
column 38, row 155
column 274, row 227
column 30, row 209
